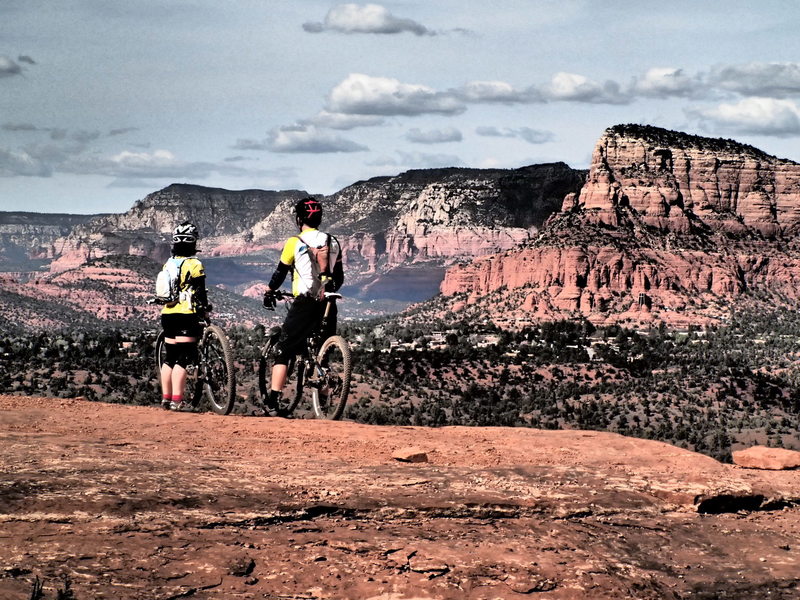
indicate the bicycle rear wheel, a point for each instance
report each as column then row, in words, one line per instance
column 218, row 374
column 330, row 380
column 160, row 354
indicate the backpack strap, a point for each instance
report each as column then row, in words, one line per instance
column 180, row 268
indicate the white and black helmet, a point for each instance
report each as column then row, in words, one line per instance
column 186, row 232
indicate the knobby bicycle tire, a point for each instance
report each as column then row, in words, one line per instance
column 265, row 370
column 219, row 386
column 265, row 364
column 161, row 354
column 331, row 378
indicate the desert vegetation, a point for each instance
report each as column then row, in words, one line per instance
column 707, row 390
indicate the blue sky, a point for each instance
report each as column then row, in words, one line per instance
column 105, row 101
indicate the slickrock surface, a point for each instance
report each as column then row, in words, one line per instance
column 761, row 457
column 134, row 502
column 668, row 227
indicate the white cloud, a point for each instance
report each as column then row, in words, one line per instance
column 159, row 164
column 8, row 67
column 532, row 136
column 571, row 87
column 332, row 120
column 365, row 18
column 366, row 95
column 497, row 91
column 757, row 116
column 777, row 80
column 434, row 136
column 417, row 160
column 309, row 139
column 13, row 164
column 663, row 82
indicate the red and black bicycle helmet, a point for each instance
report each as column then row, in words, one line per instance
column 308, row 211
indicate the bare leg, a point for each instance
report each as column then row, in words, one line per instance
column 279, row 373
column 178, row 375
column 178, row 381
column 166, row 374
column 166, row 380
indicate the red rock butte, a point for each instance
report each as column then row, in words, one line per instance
column 668, row 226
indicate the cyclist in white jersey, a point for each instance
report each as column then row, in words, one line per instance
column 315, row 258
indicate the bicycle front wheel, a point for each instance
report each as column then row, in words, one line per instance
column 219, row 376
column 330, row 381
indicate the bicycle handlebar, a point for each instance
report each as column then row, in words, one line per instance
column 287, row 296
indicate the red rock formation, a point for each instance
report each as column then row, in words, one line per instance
column 437, row 215
column 667, row 227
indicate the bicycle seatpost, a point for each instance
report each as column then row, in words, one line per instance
column 329, row 298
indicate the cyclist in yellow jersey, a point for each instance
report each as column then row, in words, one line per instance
column 315, row 258
column 181, row 320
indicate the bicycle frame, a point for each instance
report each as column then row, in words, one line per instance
column 312, row 366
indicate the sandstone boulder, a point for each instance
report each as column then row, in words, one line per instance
column 761, row 457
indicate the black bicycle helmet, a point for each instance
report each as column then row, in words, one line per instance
column 186, row 232
column 308, row 211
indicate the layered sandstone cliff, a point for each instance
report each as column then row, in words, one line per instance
column 437, row 215
column 25, row 235
column 445, row 215
column 226, row 220
column 667, row 227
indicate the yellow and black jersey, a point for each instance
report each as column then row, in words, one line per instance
column 192, row 276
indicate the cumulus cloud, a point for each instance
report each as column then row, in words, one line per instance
column 332, row 120
column 571, row 87
column 778, row 80
column 756, row 116
column 8, row 67
column 365, row 18
column 496, row 91
column 126, row 164
column 664, row 82
column 434, row 136
column 532, row 136
column 365, row 95
column 309, row 139
column 159, row 164
column 13, row 164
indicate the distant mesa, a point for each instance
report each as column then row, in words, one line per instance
column 668, row 227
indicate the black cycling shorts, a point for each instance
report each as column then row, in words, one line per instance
column 180, row 325
column 304, row 315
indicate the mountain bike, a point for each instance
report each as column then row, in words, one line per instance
column 324, row 366
column 213, row 379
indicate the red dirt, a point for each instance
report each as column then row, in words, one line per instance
column 138, row 503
